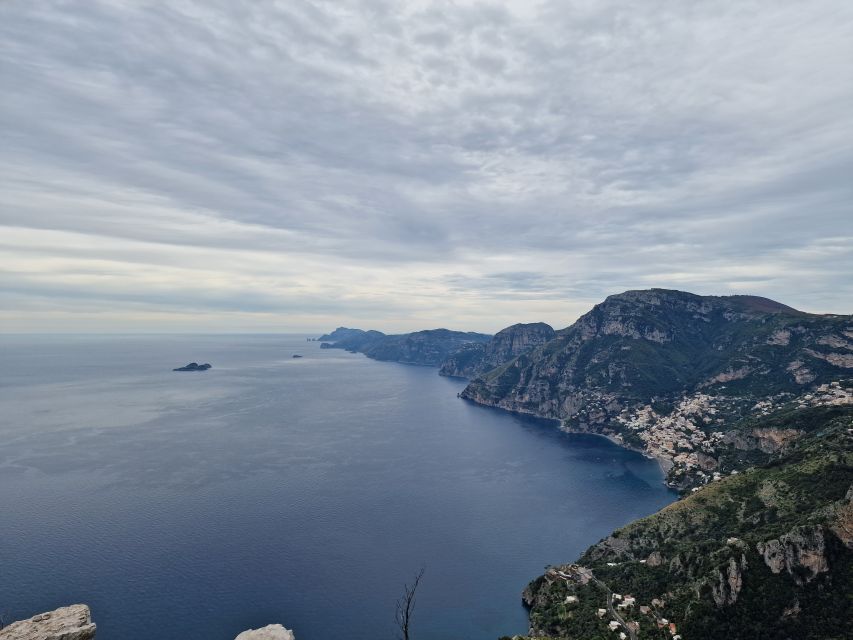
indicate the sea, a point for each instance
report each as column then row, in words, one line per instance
column 272, row 489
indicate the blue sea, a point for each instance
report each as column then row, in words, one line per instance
column 192, row 506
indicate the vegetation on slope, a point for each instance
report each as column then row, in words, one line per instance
column 430, row 347
column 660, row 344
column 764, row 553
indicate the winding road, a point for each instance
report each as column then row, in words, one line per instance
column 631, row 633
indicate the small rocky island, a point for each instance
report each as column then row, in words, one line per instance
column 194, row 366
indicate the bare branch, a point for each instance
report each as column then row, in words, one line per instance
column 406, row 606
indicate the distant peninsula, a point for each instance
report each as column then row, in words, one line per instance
column 429, row 348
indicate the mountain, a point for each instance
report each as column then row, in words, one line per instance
column 344, row 333
column 764, row 553
column 477, row 358
column 349, row 339
column 430, row 347
column 669, row 373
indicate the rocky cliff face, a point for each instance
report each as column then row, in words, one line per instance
column 642, row 345
column 67, row 623
column 729, row 581
column 802, row 553
column 506, row 345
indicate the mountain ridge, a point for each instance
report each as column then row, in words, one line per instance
column 694, row 364
column 429, row 347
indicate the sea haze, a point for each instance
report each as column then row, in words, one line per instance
column 272, row 489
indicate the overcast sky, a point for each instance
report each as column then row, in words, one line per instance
column 215, row 165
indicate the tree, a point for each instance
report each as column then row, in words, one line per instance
column 406, row 606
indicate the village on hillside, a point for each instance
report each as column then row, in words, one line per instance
column 685, row 440
column 620, row 608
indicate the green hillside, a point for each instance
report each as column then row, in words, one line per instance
column 764, row 553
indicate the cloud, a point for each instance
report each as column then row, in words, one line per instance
column 295, row 165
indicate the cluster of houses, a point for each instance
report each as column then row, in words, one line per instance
column 568, row 573
column 627, row 601
column 675, row 437
column 615, row 626
column 832, row 394
column 836, row 393
column 687, row 448
column 582, row 575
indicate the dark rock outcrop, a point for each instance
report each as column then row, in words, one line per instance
column 194, row 366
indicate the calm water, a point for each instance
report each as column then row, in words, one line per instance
column 271, row 489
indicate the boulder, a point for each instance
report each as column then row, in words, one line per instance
column 269, row 632
column 66, row 623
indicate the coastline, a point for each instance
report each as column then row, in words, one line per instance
column 665, row 464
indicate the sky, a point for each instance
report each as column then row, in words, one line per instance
column 292, row 166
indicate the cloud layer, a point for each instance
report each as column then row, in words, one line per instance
column 287, row 165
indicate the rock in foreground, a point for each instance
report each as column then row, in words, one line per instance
column 269, row 632
column 75, row 623
column 66, row 623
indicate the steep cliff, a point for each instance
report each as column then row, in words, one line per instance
column 672, row 373
column 641, row 345
column 477, row 358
